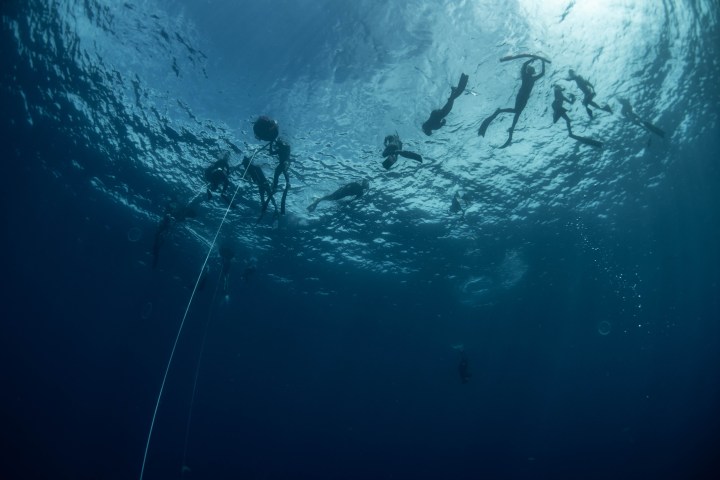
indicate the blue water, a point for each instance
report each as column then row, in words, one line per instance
column 581, row 282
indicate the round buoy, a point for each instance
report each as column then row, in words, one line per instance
column 266, row 129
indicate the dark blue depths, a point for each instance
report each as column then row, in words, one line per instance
column 362, row 383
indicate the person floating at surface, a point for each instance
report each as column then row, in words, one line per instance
column 258, row 177
column 528, row 77
column 464, row 367
column 282, row 149
column 356, row 189
column 588, row 91
column 218, row 175
column 560, row 112
column 627, row 111
column 437, row 117
column 393, row 148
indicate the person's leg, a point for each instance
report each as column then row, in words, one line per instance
column 512, row 128
column 487, row 121
column 285, row 192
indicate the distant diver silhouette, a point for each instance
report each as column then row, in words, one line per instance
column 218, row 175
column 588, row 91
column 437, row 117
column 627, row 111
column 173, row 214
column 464, row 367
column 456, row 205
column 356, row 189
column 393, row 148
column 528, row 78
column 560, row 112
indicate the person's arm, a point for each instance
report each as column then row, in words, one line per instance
column 542, row 72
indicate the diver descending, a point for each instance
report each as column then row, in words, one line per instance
column 627, row 111
column 173, row 214
column 528, row 77
column 464, row 366
column 588, row 91
column 218, row 175
column 437, row 117
column 560, row 112
column 393, row 148
column 356, row 189
column 226, row 255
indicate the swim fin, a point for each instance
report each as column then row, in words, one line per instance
column 654, row 129
column 389, row 161
column 457, row 91
column 410, row 155
column 587, row 141
column 485, row 125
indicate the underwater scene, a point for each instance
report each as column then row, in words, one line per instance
column 360, row 239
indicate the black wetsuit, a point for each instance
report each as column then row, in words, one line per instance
column 282, row 150
column 356, row 189
column 393, row 148
column 528, row 82
column 437, row 117
column 464, row 368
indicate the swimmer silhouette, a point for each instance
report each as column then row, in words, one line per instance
column 356, row 189
column 464, row 367
column 437, row 117
column 528, row 79
column 627, row 111
column 560, row 112
column 588, row 90
column 393, row 148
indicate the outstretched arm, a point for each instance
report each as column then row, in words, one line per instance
column 542, row 72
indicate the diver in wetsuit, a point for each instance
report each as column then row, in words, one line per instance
column 588, row 91
column 560, row 112
column 227, row 255
column 528, row 77
column 218, row 175
column 356, row 189
column 627, row 111
column 282, row 149
column 437, row 117
column 257, row 176
column 393, row 148
column 173, row 214
column 464, row 367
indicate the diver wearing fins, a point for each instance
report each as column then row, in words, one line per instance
column 393, row 148
column 282, row 149
column 437, row 117
column 588, row 90
column 464, row 367
column 218, row 175
column 559, row 112
column 528, row 77
column 627, row 111
column 356, row 189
